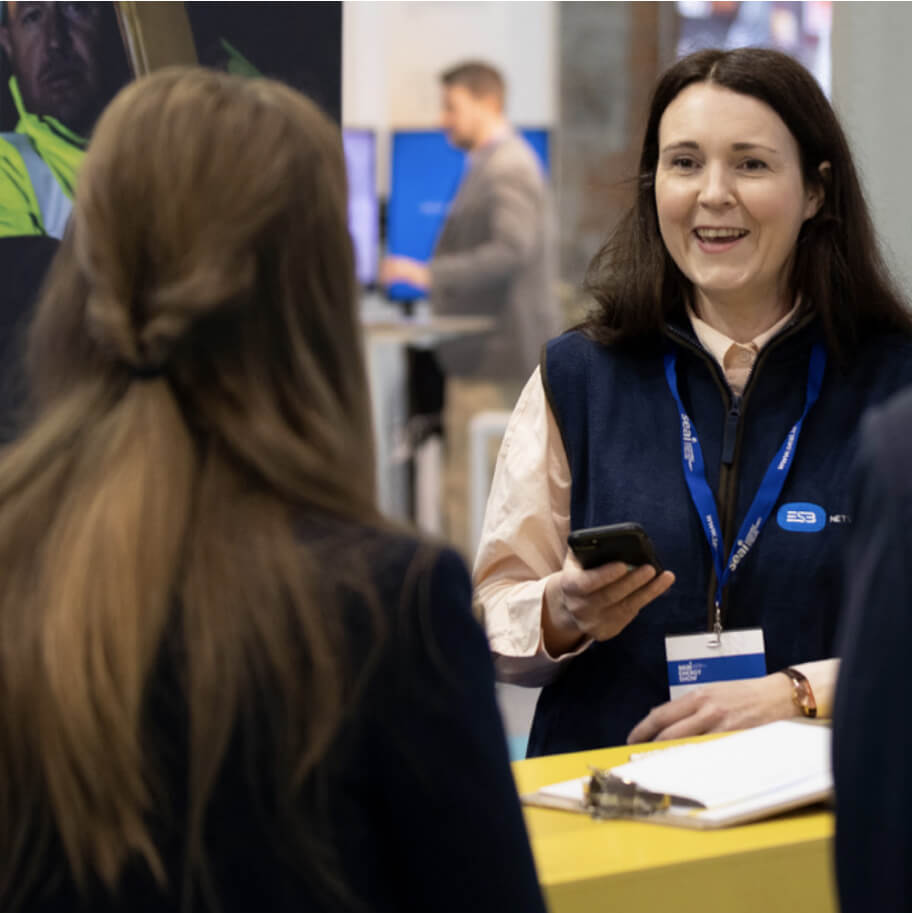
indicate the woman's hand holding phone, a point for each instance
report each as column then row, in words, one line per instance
column 597, row 603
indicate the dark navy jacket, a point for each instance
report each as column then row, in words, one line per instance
column 622, row 434
column 872, row 740
column 420, row 807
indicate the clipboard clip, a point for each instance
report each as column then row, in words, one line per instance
column 610, row 796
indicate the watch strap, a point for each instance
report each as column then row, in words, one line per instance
column 802, row 693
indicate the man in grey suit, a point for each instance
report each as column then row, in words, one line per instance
column 494, row 257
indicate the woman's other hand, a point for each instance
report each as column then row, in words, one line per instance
column 718, row 707
column 597, row 603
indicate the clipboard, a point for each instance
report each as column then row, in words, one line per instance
column 736, row 779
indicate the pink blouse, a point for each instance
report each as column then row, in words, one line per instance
column 524, row 537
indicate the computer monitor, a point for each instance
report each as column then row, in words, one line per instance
column 538, row 138
column 426, row 173
column 363, row 211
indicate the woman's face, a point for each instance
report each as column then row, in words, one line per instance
column 730, row 196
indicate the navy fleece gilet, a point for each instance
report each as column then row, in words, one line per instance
column 621, row 432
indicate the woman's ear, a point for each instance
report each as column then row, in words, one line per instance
column 816, row 192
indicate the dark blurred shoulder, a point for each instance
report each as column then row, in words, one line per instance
column 886, row 444
column 386, row 581
column 385, row 552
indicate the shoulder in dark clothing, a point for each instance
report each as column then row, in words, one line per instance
column 417, row 797
column 872, row 743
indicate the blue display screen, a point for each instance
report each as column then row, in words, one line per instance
column 363, row 213
column 426, row 173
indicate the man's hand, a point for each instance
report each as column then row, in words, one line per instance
column 405, row 269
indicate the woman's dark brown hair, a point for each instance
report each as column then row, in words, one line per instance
column 837, row 270
column 196, row 364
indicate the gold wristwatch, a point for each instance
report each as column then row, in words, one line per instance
column 802, row 695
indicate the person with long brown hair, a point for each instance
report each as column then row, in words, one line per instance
column 743, row 322
column 224, row 684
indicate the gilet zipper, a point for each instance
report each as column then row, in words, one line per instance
column 733, row 434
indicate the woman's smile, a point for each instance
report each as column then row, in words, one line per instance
column 718, row 240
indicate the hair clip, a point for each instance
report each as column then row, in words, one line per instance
column 146, row 372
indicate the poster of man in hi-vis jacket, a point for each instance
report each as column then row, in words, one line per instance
column 60, row 65
column 63, row 63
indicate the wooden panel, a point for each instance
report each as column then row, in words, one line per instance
column 156, row 34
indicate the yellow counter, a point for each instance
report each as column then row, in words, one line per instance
column 783, row 864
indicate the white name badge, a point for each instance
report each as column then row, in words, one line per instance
column 695, row 659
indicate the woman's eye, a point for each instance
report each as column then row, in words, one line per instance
column 753, row 165
column 684, row 162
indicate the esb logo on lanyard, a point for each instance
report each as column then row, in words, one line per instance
column 757, row 514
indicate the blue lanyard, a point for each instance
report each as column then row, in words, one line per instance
column 770, row 488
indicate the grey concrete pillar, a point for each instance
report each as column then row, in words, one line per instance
column 870, row 47
column 609, row 55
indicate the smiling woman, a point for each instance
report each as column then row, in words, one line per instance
column 744, row 322
column 731, row 201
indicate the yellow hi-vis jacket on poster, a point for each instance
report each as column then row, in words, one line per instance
column 38, row 164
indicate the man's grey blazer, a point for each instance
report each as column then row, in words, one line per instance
column 495, row 257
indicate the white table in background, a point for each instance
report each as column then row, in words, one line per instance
column 388, row 334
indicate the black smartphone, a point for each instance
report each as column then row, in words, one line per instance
column 627, row 542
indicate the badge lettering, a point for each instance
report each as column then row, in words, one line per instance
column 712, row 531
column 689, row 439
column 689, row 672
column 744, row 546
column 789, row 444
column 801, row 517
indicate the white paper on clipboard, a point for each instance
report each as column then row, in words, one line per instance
column 742, row 777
